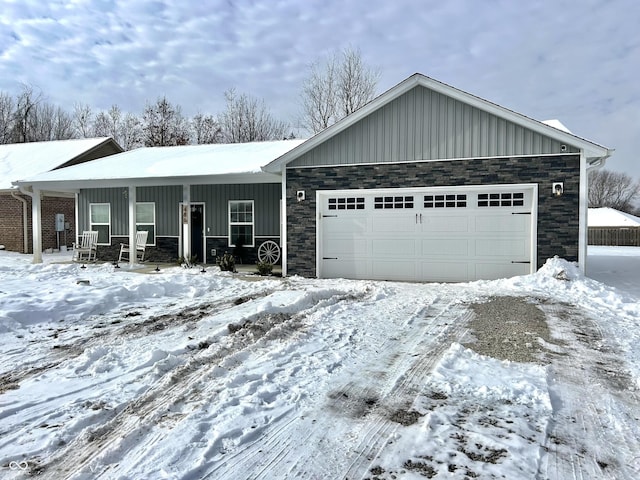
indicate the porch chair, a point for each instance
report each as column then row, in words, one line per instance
column 86, row 249
column 141, row 245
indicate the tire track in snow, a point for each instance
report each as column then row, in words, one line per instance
column 368, row 402
column 95, row 448
column 411, row 375
column 594, row 404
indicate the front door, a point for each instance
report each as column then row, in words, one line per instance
column 197, row 231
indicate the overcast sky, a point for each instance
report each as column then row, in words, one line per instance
column 575, row 60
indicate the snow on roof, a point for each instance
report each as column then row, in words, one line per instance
column 21, row 160
column 557, row 124
column 610, row 217
column 163, row 162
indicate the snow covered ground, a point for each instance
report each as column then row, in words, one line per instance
column 115, row 374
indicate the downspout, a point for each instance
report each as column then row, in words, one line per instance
column 25, row 220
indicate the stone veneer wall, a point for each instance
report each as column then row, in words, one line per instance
column 558, row 218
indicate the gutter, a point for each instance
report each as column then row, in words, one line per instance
column 25, row 219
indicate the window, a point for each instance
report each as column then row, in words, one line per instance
column 445, row 201
column 100, row 221
column 350, row 203
column 146, row 220
column 241, row 223
column 393, row 202
column 507, row 199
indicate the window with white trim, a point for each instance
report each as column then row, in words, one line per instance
column 100, row 221
column 241, row 224
column 146, row 220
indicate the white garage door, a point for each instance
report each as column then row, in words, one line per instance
column 427, row 234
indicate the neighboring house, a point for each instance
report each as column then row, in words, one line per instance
column 424, row 183
column 608, row 226
column 195, row 201
column 21, row 160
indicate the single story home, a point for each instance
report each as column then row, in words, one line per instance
column 424, row 183
column 22, row 160
column 608, row 226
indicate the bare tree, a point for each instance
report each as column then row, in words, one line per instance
column 319, row 96
column 82, row 120
column 6, row 117
column 335, row 88
column 247, row 119
column 130, row 135
column 48, row 122
column 613, row 189
column 24, row 113
column 125, row 129
column 205, row 129
column 163, row 124
column 356, row 82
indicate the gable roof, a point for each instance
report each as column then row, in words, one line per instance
column 610, row 217
column 592, row 150
column 237, row 162
column 21, row 160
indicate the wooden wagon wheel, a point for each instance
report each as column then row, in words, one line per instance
column 269, row 252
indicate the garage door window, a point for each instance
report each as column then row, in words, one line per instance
column 445, row 201
column 348, row 203
column 393, row 202
column 506, row 199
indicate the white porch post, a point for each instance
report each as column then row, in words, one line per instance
column 186, row 222
column 36, row 225
column 583, row 212
column 133, row 258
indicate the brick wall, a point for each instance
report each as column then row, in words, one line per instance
column 11, row 230
column 11, row 222
column 558, row 218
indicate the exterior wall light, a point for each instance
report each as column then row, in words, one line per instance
column 300, row 195
column 558, row 189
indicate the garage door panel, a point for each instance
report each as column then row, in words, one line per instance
column 500, row 270
column 502, row 223
column 392, row 224
column 442, row 223
column 393, row 269
column 449, row 247
column 393, row 247
column 345, row 225
column 444, row 271
column 352, row 246
column 499, row 247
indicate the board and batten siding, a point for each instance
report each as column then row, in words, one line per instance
column 266, row 197
column 426, row 125
column 167, row 199
column 116, row 197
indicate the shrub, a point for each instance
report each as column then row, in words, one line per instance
column 264, row 268
column 228, row 263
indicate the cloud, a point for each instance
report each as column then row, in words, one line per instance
column 576, row 61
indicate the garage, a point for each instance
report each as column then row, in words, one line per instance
column 448, row 234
